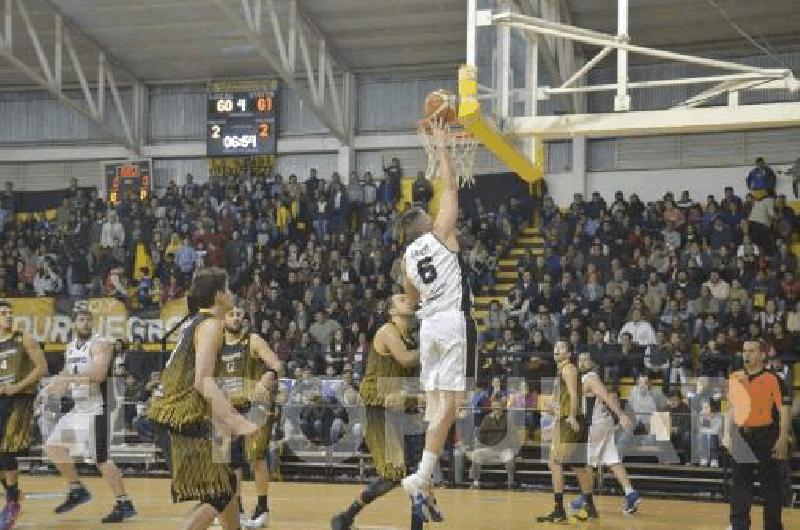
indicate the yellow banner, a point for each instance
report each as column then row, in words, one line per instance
column 50, row 321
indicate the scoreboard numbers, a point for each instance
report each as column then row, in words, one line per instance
column 241, row 123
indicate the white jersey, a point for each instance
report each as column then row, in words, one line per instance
column 435, row 271
column 594, row 410
column 77, row 361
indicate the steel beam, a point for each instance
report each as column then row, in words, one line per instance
column 318, row 83
column 655, row 122
column 47, row 71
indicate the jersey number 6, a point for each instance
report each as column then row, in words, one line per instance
column 426, row 270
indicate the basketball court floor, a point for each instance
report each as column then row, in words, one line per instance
column 300, row 506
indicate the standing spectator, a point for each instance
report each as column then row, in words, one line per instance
column 394, row 173
column 680, row 419
column 761, row 180
column 644, row 401
column 355, row 197
column 421, row 190
column 709, row 430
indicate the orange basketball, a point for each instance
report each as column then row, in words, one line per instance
column 440, row 104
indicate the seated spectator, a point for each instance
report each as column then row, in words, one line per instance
column 713, row 362
column 495, row 442
column 323, row 328
column 145, row 287
column 657, row 358
column 793, row 319
column 493, row 323
column 323, row 419
column 115, row 283
column 639, row 329
column 624, row 359
column 47, row 282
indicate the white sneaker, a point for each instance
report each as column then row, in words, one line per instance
column 703, row 462
column 714, row 462
column 260, row 521
column 414, row 484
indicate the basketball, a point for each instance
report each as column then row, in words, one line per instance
column 440, row 104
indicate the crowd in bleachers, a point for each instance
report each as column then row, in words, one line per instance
column 664, row 293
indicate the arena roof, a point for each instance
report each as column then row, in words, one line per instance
column 166, row 40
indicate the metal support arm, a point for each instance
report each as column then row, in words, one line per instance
column 278, row 45
column 47, row 72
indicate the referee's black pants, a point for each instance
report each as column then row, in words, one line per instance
column 760, row 440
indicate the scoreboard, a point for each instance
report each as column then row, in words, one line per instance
column 241, row 123
column 122, row 178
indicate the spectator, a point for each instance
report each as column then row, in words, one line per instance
column 644, row 401
column 493, row 323
column 709, row 432
column 680, row 417
column 640, row 330
column 421, row 190
column 323, row 328
column 761, row 180
column 494, row 443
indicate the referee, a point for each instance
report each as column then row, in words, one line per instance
column 757, row 435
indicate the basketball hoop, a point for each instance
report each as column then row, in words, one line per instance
column 461, row 145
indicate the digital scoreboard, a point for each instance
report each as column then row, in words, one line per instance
column 241, row 123
column 122, row 178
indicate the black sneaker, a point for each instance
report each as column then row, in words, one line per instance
column 342, row 521
column 75, row 498
column 121, row 511
column 558, row 515
column 587, row 511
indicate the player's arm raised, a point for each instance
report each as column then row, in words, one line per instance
column 595, row 386
column 35, row 354
column 408, row 287
column 208, row 339
column 444, row 227
column 389, row 340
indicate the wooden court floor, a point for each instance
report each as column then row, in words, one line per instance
column 297, row 506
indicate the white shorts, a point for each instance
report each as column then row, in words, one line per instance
column 446, row 351
column 601, row 447
column 77, row 431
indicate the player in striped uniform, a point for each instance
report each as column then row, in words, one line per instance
column 247, row 371
column 22, row 364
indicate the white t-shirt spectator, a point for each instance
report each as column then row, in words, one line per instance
column 112, row 235
column 641, row 332
column 719, row 290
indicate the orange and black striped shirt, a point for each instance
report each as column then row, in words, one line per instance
column 756, row 398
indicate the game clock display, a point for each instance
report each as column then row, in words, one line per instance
column 241, row 123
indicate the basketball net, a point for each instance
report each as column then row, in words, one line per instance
column 461, row 145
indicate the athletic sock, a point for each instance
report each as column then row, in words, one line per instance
column 628, row 490
column 354, row 509
column 76, row 485
column 123, row 499
column 12, row 493
column 559, row 500
column 262, row 503
column 589, row 499
column 427, row 464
